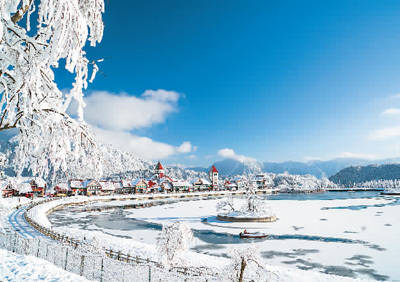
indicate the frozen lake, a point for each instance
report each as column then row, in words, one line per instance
column 348, row 234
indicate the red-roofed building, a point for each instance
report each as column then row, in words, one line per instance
column 152, row 187
column 213, row 175
column 159, row 171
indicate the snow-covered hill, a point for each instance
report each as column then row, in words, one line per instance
column 361, row 174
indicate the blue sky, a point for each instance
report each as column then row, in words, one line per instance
column 270, row 80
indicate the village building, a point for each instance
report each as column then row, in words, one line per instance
column 152, row 186
column 159, row 182
column 140, row 185
column 201, row 184
column 181, row 186
column 119, row 189
column 77, row 187
column 263, row 181
column 38, row 186
column 159, row 170
column 8, row 189
column 166, row 186
column 213, row 175
column 93, row 187
column 230, row 186
column 107, row 187
column 25, row 189
column 127, row 187
column 61, row 189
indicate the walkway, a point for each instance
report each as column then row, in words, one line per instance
column 18, row 223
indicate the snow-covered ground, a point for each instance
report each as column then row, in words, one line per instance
column 307, row 235
column 14, row 267
column 7, row 205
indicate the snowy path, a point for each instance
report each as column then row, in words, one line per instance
column 18, row 223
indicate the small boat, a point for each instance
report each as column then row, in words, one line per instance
column 246, row 234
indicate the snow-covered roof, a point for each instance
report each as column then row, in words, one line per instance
column 118, row 185
column 63, row 186
column 159, row 166
column 91, row 182
column 137, row 181
column 205, row 181
column 24, row 187
column 180, row 184
column 126, row 183
column 77, row 184
column 214, row 169
column 39, row 182
column 165, row 178
column 107, row 185
column 152, row 183
column 200, row 181
column 167, row 184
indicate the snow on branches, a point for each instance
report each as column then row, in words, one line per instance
column 49, row 139
column 245, row 263
column 226, row 205
column 174, row 240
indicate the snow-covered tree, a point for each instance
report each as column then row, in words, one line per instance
column 52, row 31
column 247, row 263
column 3, row 162
column 254, row 205
column 174, row 239
column 226, row 205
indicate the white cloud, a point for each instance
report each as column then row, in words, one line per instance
column 143, row 147
column 125, row 112
column 396, row 96
column 113, row 117
column 162, row 95
column 230, row 154
column 391, row 111
column 186, row 147
column 385, row 133
column 357, row 156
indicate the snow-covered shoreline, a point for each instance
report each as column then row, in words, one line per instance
column 39, row 213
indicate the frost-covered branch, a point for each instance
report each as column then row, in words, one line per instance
column 245, row 263
column 49, row 139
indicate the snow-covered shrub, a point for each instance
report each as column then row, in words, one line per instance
column 175, row 239
column 245, row 263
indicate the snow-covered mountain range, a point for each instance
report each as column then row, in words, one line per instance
column 229, row 167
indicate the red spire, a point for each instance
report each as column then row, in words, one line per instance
column 214, row 169
column 159, row 166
